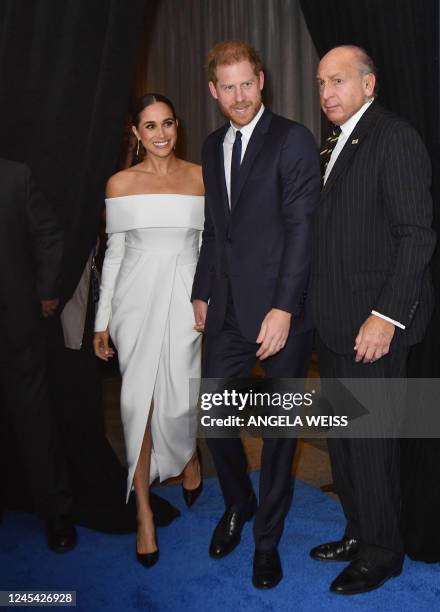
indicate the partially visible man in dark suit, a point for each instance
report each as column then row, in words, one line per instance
column 371, row 290
column 261, row 175
column 31, row 247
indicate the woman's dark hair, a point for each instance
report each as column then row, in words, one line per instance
column 147, row 100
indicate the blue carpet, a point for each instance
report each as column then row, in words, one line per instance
column 103, row 571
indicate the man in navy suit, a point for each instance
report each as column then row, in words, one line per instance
column 262, row 181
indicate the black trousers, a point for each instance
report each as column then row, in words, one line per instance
column 229, row 355
column 29, row 430
column 366, row 471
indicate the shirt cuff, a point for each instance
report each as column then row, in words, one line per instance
column 396, row 323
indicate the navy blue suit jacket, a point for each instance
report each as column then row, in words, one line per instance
column 261, row 248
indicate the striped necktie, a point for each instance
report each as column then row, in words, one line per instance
column 327, row 149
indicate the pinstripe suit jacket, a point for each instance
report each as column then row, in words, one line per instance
column 373, row 238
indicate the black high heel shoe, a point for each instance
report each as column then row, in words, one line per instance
column 148, row 559
column 191, row 495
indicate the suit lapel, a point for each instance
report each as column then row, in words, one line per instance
column 220, row 170
column 254, row 146
column 354, row 141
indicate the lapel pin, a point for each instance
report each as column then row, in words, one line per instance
column 355, row 141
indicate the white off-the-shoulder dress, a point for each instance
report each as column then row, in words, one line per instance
column 149, row 265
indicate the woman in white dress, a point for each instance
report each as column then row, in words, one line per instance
column 154, row 213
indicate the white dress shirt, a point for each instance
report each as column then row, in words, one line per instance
column 346, row 130
column 228, row 143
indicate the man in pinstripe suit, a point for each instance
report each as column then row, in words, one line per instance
column 371, row 291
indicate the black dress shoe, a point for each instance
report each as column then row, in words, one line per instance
column 227, row 534
column 362, row 576
column 267, row 571
column 148, row 559
column 346, row 549
column 61, row 534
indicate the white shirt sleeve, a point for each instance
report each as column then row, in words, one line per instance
column 110, row 269
column 396, row 323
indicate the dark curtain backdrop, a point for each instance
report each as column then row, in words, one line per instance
column 66, row 70
column 176, row 69
column 402, row 36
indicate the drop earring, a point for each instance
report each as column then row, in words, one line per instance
column 137, row 149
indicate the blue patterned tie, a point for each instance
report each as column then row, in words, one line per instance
column 235, row 164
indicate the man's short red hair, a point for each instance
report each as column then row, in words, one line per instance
column 231, row 52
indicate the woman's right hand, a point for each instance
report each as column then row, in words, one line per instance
column 101, row 345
